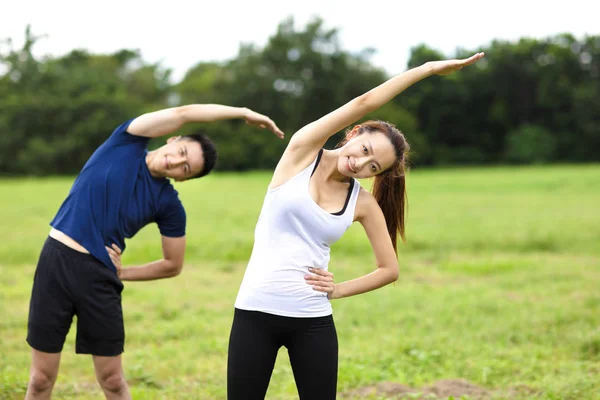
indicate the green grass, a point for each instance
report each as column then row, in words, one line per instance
column 499, row 286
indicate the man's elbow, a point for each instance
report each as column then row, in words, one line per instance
column 183, row 113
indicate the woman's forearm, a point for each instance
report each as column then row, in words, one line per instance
column 385, row 92
column 375, row 280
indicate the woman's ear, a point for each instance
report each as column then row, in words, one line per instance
column 353, row 133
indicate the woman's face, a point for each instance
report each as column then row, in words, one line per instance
column 366, row 155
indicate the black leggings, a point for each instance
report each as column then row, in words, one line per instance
column 253, row 344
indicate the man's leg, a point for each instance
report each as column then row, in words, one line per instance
column 51, row 310
column 109, row 372
column 100, row 329
column 42, row 374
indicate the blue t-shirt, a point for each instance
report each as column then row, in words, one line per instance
column 114, row 196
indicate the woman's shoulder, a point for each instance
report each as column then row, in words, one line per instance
column 366, row 204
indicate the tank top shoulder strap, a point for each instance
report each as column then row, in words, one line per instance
column 317, row 162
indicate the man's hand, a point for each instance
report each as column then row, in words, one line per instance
column 115, row 255
column 262, row 121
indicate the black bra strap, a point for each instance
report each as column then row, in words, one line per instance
column 349, row 189
column 347, row 199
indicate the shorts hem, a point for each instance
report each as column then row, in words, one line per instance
column 100, row 351
column 43, row 348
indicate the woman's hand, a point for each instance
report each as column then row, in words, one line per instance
column 321, row 281
column 446, row 67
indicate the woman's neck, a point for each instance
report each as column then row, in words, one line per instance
column 328, row 166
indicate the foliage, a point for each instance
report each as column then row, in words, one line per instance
column 57, row 110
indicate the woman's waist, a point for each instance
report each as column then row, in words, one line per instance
column 286, row 298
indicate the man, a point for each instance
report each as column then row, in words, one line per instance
column 121, row 188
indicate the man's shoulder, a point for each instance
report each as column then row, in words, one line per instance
column 123, row 141
column 120, row 133
column 168, row 193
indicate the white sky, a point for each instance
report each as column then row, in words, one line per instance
column 181, row 33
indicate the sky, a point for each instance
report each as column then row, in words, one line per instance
column 179, row 34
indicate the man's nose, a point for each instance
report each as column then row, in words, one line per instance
column 178, row 160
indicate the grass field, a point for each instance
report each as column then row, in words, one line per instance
column 498, row 296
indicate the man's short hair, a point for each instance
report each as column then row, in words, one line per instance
column 209, row 153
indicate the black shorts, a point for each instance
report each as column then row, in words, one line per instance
column 68, row 282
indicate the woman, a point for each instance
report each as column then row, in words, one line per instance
column 311, row 201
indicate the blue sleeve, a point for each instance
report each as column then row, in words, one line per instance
column 172, row 218
column 120, row 144
column 121, row 136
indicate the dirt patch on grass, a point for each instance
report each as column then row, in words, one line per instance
column 381, row 389
column 439, row 390
column 457, row 388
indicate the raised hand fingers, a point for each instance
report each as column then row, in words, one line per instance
column 278, row 132
column 262, row 121
column 273, row 128
column 472, row 59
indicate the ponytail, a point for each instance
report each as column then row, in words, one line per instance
column 389, row 189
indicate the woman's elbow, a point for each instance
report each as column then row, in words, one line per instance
column 174, row 269
column 392, row 272
column 365, row 103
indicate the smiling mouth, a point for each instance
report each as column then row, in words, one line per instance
column 350, row 166
column 166, row 163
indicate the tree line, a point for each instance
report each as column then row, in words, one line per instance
column 530, row 101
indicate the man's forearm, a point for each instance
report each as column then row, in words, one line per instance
column 211, row 112
column 170, row 120
column 155, row 270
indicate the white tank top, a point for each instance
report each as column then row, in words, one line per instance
column 292, row 234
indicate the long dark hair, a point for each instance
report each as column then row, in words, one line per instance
column 389, row 187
